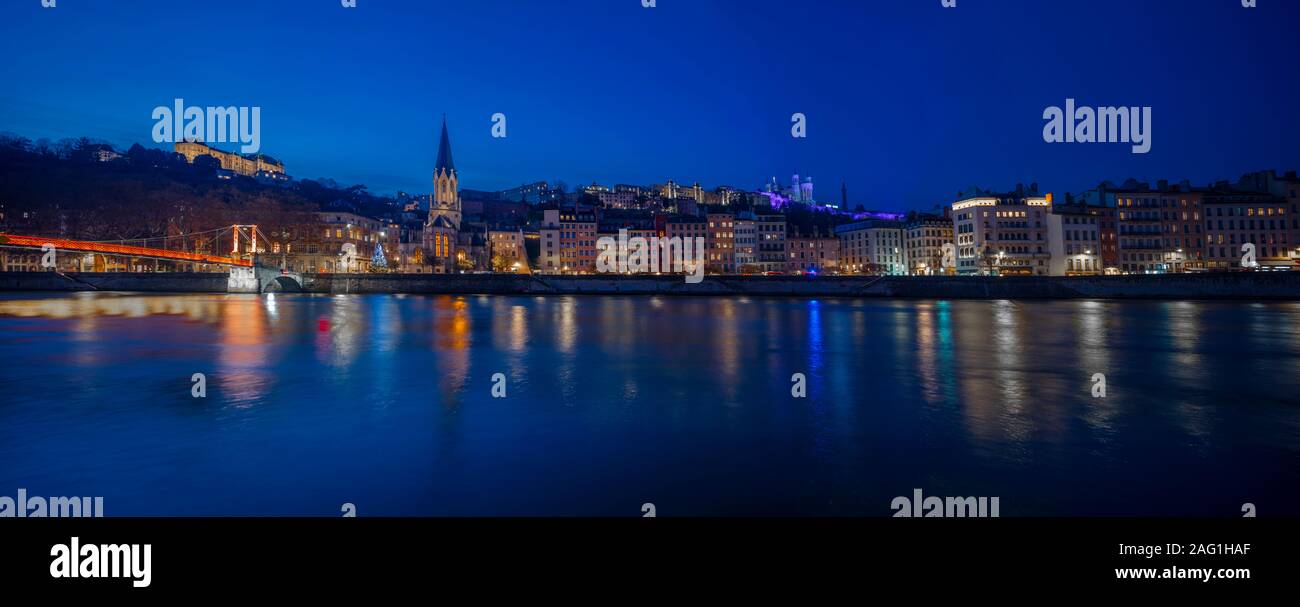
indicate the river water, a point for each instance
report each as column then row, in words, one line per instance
column 386, row 402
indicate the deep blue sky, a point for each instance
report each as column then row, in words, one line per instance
column 907, row 101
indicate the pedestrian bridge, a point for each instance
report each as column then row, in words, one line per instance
column 247, row 274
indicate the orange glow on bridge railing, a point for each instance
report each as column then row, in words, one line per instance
column 118, row 249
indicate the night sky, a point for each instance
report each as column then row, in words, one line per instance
column 906, row 101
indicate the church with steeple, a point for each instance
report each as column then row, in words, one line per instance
column 442, row 228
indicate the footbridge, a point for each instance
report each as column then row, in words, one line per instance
column 248, row 274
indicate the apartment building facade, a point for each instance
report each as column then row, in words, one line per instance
column 720, row 243
column 1002, row 234
column 771, row 233
column 1074, row 235
column 923, row 238
column 568, row 241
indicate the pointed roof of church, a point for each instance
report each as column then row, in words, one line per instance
column 444, row 152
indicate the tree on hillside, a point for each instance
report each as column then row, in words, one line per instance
column 206, row 165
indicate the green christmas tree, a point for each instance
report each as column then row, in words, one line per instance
column 378, row 261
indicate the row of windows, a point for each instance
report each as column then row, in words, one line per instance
column 1250, row 212
column 572, row 234
column 1015, row 236
column 338, row 233
column 1151, row 202
column 1279, row 252
column 1083, row 265
column 1163, row 256
column 1280, row 225
column 1245, row 238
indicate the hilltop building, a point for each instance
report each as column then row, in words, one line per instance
column 254, row 165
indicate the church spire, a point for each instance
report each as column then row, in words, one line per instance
column 444, row 151
column 445, row 207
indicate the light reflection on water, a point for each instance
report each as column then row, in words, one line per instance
column 614, row 401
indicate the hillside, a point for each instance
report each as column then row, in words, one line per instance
column 68, row 190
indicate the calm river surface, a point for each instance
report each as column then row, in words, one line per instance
column 386, row 402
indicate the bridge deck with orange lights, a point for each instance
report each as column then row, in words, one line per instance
column 64, row 244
